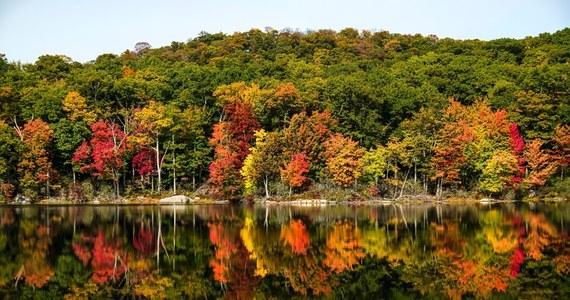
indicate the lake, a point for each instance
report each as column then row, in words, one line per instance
column 510, row 250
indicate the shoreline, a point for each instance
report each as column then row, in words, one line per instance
column 185, row 200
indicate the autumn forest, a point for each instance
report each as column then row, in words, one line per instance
column 347, row 116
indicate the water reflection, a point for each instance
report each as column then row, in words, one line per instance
column 511, row 251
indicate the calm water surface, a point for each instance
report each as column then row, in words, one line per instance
column 207, row 251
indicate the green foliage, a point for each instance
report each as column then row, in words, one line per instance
column 374, row 86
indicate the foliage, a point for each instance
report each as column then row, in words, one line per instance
column 103, row 156
column 386, row 91
column 292, row 173
column 540, row 164
column 343, row 159
column 35, row 166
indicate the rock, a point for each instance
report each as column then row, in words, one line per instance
column 177, row 199
column 21, row 199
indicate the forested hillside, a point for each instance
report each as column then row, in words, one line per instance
column 278, row 113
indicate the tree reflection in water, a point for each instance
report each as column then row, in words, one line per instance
column 206, row 251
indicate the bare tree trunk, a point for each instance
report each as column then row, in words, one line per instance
column 403, row 185
column 158, row 166
column 266, row 183
column 47, row 185
column 173, row 166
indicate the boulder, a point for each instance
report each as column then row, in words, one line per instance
column 177, row 199
column 21, row 199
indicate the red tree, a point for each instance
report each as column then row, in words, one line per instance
column 232, row 140
column 517, row 147
column 292, row 174
column 103, row 155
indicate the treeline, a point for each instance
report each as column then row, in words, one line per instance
column 282, row 112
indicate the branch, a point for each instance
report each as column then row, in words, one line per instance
column 17, row 128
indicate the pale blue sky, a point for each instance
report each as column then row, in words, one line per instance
column 84, row 29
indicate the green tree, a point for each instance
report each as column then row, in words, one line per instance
column 10, row 147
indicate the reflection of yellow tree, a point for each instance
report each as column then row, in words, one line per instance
column 344, row 247
column 35, row 241
column 154, row 287
column 280, row 254
column 376, row 243
column 499, row 232
column 540, row 234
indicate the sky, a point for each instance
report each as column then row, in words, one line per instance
column 85, row 29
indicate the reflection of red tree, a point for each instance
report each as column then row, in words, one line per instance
column 144, row 242
column 81, row 250
column 518, row 254
column 104, row 261
column 295, row 235
column 231, row 263
column 105, row 257
column 516, row 261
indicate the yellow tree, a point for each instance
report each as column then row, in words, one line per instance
column 375, row 162
column 263, row 161
column 150, row 122
column 498, row 171
column 75, row 105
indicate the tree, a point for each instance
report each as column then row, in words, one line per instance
column 150, row 122
column 76, row 107
column 103, row 156
column 263, row 161
column 561, row 139
column 343, row 159
column 231, row 139
column 35, row 166
column 535, row 113
column 68, row 136
column 140, row 47
column 190, row 155
column 540, row 164
column 307, row 134
column 375, row 163
column 10, row 147
column 292, row 172
column 497, row 174
column 517, row 147
column 144, row 163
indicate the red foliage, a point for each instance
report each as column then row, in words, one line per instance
column 82, row 252
column 232, row 141
column 144, row 242
column 516, row 261
column 517, row 147
column 103, row 263
column 105, row 151
column 144, row 162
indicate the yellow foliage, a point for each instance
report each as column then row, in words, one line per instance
column 76, row 106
